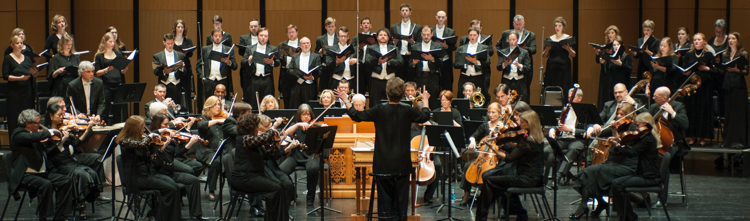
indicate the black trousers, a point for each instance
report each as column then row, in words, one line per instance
column 574, row 146
column 406, row 72
column 478, row 81
column 429, row 192
column 45, row 184
column 618, row 191
column 393, row 196
column 262, row 85
column 193, row 190
column 286, row 82
column 116, row 110
column 273, row 171
column 168, row 201
column 277, row 206
column 377, row 91
column 487, row 73
column 311, row 167
column 446, row 76
column 210, row 85
column 519, row 86
column 204, row 155
column 188, row 165
column 302, row 93
column 91, row 160
column 495, row 186
column 85, row 184
column 175, row 92
column 432, row 81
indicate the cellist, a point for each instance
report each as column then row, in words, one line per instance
column 676, row 116
column 416, row 131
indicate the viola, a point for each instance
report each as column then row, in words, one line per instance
column 564, row 114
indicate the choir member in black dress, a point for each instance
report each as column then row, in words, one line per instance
column 650, row 50
column 619, row 68
column 559, row 68
column 32, row 168
column 392, row 136
column 681, row 47
column 428, row 68
column 605, row 78
column 182, row 41
column 322, row 43
column 735, row 89
column 719, row 43
column 524, row 39
column 443, row 31
column 58, row 72
column 164, row 162
column 58, row 25
column 70, row 160
column 363, row 69
column 20, row 96
column 214, row 72
column 286, row 80
column 260, row 74
column 111, row 76
column 595, row 181
column 571, row 138
column 474, row 68
column 528, row 157
column 446, row 97
column 344, row 67
column 19, row 32
column 700, row 102
column 383, row 68
column 118, row 42
column 664, row 74
column 647, row 172
column 138, row 173
column 88, row 93
column 465, row 40
column 306, row 158
column 249, row 168
column 406, row 28
column 210, row 128
column 226, row 38
column 516, row 71
column 304, row 88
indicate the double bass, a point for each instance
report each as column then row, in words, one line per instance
column 662, row 124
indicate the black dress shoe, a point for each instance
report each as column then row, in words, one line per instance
column 257, row 212
column 575, row 216
column 599, row 208
column 200, row 218
column 310, row 199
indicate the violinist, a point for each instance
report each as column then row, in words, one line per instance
column 528, row 158
column 416, row 131
column 306, row 158
column 160, row 92
column 210, row 129
column 165, row 162
column 595, row 181
column 676, row 116
column 249, row 168
column 503, row 95
column 735, row 91
column 272, row 169
column 571, row 140
column 70, row 160
column 182, row 163
column 31, row 167
column 136, row 172
column 643, row 148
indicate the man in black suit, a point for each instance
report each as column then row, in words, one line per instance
column 405, row 28
column 245, row 42
column 87, row 91
column 383, row 68
column 474, row 68
column 214, row 72
column 304, row 88
column 286, row 80
column 364, row 69
column 32, row 169
column 160, row 92
column 321, row 45
column 427, row 67
column 676, row 115
column 465, row 40
column 260, row 74
column 344, row 67
column 169, row 76
column 226, row 37
column 610, row 107
column 515, row 70
column 526, row 40
column 443, row 31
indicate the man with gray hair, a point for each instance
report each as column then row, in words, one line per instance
column 32, row 169
column 87, row 91
column 526, row 40
column 358, row 101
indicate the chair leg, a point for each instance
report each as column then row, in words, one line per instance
column 534, row 203
column 665, row 211
column 122, row 204
column 241, row 200
column 372, row 199
column 20, row 205
column 473, row 198
column 648, row 205
column 507, row 207
column 5, row 207
column 550, row 213
column 683, row 183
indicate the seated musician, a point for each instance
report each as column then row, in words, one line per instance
column 160, row 92
column 165, row 162
column 469, row 89
column 269, row 102
column 210, row 129
column 70, row 160
column 676, row 115
column 249, row 168
column 621, row 97
column 221, row 92
column 60, row 101
column 416, row 132
column 182, row 163
column 87, row 91
column 528, row 158
column 595, row 181
column 137, row 173
column 344, row 86
column 326, row 99
column 306, row 158
column 446, row 97
column 272, row 156
column 32, row 168
column 647, row 172
column 410, row 91
column 571, row 139
column 358, row 101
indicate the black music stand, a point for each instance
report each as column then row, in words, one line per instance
column 475, row 113
column 110, row 152
column 335, row 111
column 219, row 198
column 321, row 139
column 128, row 94
column 442, row 136
column 462, row 104
column 443, row 118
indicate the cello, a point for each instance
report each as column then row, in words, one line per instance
column 426, row 169
column 662, row 124
column 486, row 160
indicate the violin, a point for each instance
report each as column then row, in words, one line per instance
column 184, row 137
column 181, row 123
column 632, row 136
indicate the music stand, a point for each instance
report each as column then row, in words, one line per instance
column 442, row 136
column 109, row 152
column 443, row 118
column 547, row 117
column 321, row 139
column 462, row 104
column 471, row 126
column 475, row 113
column 406, row 102
column 129, row 94
column 288, row 113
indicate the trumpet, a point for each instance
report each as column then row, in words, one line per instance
column 416, row 99
column 477, row 98
column 351, row 95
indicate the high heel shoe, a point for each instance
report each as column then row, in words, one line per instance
column 599, row 208
column 574, row 216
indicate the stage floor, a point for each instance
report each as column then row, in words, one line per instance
column 713, row 195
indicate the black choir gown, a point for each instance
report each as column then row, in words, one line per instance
column 737, row 124
column 19, row 93
column 59, row 84
column 665, row 78
column 51, row 45
column 700, row 104
column 679, row 78
column 559, row 68
column 718, row 78
column 112, row 81
column 617, row 74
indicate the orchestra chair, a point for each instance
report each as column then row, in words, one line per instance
column 235, row 196
column 535, row 192
column 8, row 159
column 42, row 89
column 662, row 188
column 132, row 199
column 41, row 105
column 553, row 96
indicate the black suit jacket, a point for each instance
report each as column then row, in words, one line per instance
column 338, row 70
column 447, row 33
column 523, row 58
column 433, row 65
column 323, row 40
column 530, row 41
column 465, row 40
column 250, row 68
column 160, row 62
column 679, row 123
column 416, row 35
column 203, row 68
column 75, row 90
column 27, row 153
column 372, row 59
column 227, row 38
column 247, row 41
column 314, row 61
column 484, row 64
column 610, row 108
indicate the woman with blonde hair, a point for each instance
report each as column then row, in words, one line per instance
column 700, row 115
column 735, row 89
column 19, row 32
column 605, row 78
column 58, row 25
column 269, row 103
column 20, row 96
column 111, row 76
column 326, row 98
column 57, row 72
column 663, row 73
column 210, row 129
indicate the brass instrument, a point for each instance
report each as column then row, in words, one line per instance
column 351, row 95
column 416, row 99
column 477, row 98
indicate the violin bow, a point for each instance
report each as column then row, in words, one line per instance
column 73, row 108
column 321, row 114
column 257, row 101
column 231, row 108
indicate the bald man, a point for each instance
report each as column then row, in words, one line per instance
column 221, row 92
column 673, row 112
column 305, row 88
